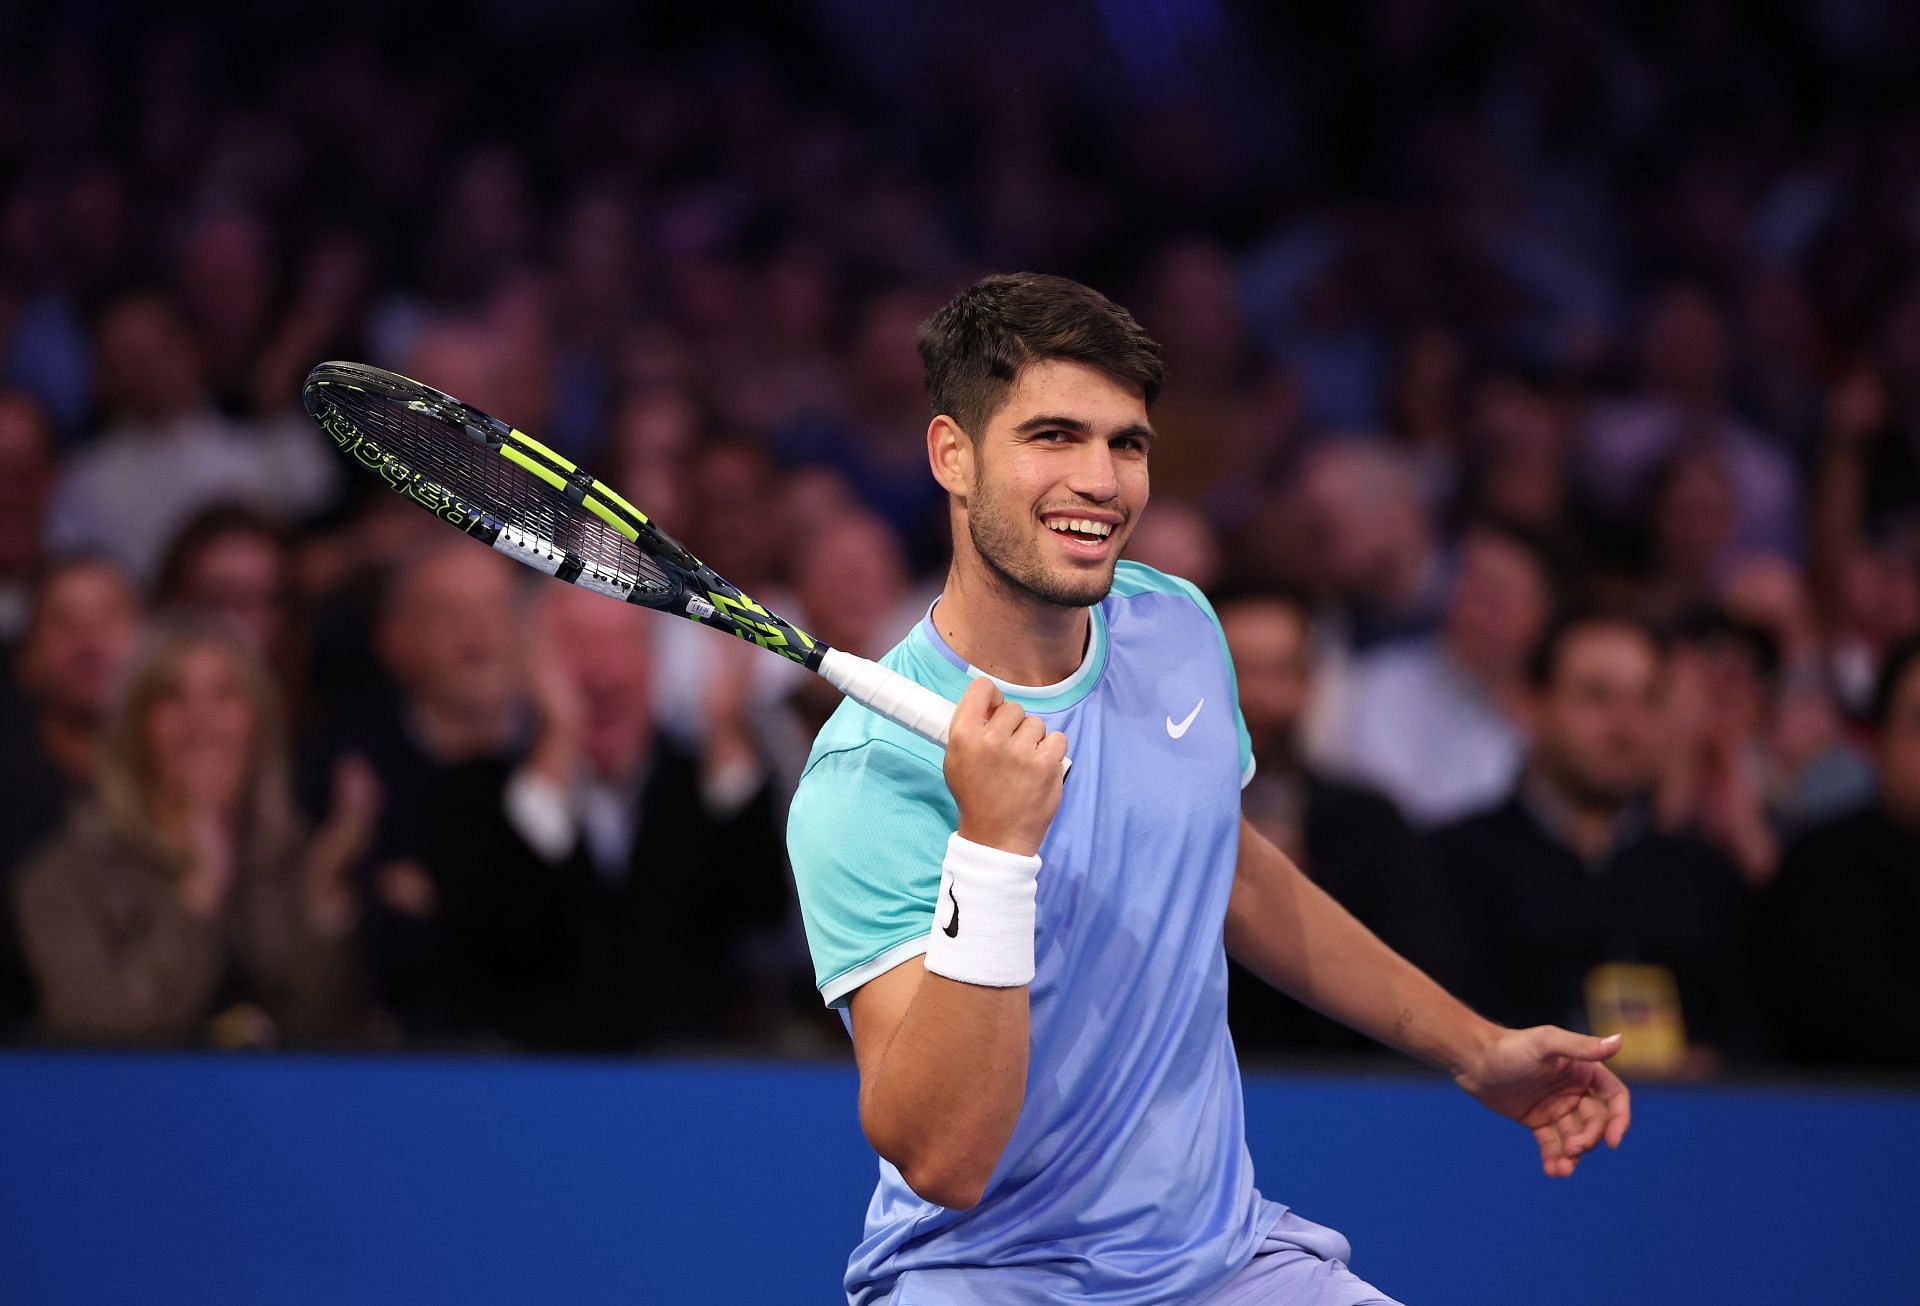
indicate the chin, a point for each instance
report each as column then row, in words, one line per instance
column 1073, row 591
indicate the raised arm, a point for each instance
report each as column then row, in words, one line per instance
column 942, row 1041
column 1285, row 929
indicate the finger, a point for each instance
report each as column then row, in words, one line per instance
column 1553, row 1160
column 1591, row 1117
column 1054, row 746
column 1581, row 1047
column 1005, row 720
column 1030, row 732
column 1608, row 1088
column 1568, row 1127
column 976, row 706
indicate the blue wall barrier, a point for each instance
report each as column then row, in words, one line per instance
column 361, row 1182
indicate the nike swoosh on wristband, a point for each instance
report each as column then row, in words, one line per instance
column 952, row 928
column 1175, row 731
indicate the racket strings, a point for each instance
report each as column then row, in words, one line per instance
column 538, row 516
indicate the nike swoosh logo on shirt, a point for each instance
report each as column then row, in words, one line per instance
column 1175, row 731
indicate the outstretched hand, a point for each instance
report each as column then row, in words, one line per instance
column 1554, row 1082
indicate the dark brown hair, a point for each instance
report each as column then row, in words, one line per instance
column 975, row 346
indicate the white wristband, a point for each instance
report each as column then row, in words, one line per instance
column 983, row 923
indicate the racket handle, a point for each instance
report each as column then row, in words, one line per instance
column 901, row 701
column 889, row 693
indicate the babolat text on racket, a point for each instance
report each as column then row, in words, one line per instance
column 505, row 489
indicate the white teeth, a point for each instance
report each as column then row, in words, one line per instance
column 1083, row 525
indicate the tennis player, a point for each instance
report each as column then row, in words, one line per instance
column 1034, row 971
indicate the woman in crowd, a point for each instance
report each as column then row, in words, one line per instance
column 186, row 903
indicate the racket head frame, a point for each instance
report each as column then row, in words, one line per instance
column 667, row 576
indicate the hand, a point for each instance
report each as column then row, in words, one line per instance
column 1005, row 771
column 555, row 689
column 212, row 861
column 341, row 842
column 1552, row 1081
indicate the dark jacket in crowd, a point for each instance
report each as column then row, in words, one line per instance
column 38, row 800
column 1843, row 944
column 1357, row 847
column 1529, row 919
column 566, row 956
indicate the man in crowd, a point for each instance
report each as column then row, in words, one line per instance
column 1569, row 874
column 605, row 890
column 1437, row 723
column 82, row 627
column 1844, row 974
column 1349, row 839
column 446, row 637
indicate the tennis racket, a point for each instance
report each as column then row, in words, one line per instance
column 505, row 489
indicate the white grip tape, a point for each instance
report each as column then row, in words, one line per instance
column 890, row 694
column 983, row 925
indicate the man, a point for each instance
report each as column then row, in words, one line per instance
column 1570, row 874
column 602, row 891
column 81, row 628
column 1350, row 840
column 166, row 452
column 1842, row 917
column 1044, row 1061
column 1435, row 723
column 445, row 634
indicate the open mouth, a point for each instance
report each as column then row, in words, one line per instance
column 1081, row 530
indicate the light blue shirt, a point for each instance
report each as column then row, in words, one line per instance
column 1127, row 1179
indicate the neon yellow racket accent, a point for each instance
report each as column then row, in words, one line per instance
column 610, row 517
column 606, row 492
column 541, row 449
column 545, row 473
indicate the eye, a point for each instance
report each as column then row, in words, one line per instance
column 1131, row 443
column 1052, row 436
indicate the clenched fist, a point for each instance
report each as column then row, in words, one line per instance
column 1005, row 770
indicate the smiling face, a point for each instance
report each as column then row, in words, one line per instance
column 1049, row 492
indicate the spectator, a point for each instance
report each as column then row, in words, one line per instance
column 1438, row 723
column 446, row 637
column 80, row 631
column 1843, row 972
column 1369, row 542
column 167, row 453
column 600, row 892
column 1682, row 409
column 1570, row 874
column 1350, row 840
column 187, row 904
column 26, row 479
column 81, row 626
column 232, row 565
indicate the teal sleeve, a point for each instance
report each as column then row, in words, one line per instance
column 867, row 834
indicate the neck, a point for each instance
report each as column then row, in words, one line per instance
column 454, row 736
column 1005, row 632
column 1588, row 826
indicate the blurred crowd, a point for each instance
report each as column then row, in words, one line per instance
column 1543, row 417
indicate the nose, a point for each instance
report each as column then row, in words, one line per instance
column 1094, row 475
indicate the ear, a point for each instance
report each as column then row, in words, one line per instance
column 950, row 454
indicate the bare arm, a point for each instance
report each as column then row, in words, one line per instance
column 943, row 1064
column 1285, row 929
column 943, row 1073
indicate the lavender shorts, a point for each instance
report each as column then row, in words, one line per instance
column 1300, row 1264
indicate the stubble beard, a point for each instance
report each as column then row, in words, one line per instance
column 1016, row 560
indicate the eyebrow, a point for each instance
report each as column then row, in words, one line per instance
column 1045, row 420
